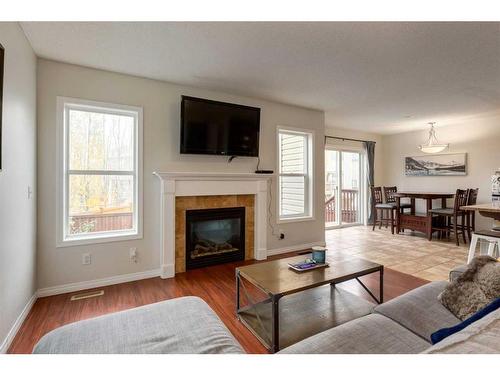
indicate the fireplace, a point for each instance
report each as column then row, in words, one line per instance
column 214, row 236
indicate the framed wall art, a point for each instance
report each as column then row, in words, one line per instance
column 436, row 165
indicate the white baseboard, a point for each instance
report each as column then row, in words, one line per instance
column 289, row 249
column 73, row 287
column 260, row 254
column 167, row 271
column 17, row 324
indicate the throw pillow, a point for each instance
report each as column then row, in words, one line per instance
column 474, row 289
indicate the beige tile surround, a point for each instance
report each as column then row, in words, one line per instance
column 408, row 253
column 212, row 201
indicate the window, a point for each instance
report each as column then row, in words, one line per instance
column 295, row 179
column 99, row 172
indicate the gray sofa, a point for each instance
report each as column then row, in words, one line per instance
column 404, row 326
column 400, row 326
column 181, row 325
column 188, row 325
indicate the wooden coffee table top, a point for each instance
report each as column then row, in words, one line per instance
column 275, row 277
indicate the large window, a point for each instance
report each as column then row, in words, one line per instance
column 295, row 179
column 99, row 172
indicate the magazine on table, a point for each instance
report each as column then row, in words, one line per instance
column 306, row 265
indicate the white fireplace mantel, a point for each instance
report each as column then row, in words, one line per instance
column 183, row 184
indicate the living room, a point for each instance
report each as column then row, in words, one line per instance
column 166, row 188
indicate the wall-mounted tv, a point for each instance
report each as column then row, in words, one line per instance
column 217, row 128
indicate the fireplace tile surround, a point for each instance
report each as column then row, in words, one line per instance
column 183, row 204
column 179, row 190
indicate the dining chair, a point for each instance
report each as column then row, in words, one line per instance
column 451, row 216
column 489, row 236
column 389, row 192
column 471, row 215
column 390, row 198
column 379, row 208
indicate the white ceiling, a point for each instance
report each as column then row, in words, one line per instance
column 378, row 77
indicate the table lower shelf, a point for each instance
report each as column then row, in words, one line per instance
column 304, row 314
column 419, row 222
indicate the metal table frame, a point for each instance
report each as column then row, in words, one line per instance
column 275, row 298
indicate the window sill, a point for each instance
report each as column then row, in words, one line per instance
column 296, row 219
column 99, row 239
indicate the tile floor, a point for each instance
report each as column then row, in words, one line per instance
column 408, row 253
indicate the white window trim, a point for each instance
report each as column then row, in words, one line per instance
column 61, row 175
column 310, row 183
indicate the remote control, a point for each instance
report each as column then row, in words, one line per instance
column 264, row 171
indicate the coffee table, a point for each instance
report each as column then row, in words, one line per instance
column 311, row 303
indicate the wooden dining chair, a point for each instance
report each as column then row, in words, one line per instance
column 383, row 213
column 450, row 223
column 389, row 192
column 471, row 215
column 390, row 198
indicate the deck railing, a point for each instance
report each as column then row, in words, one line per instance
column 349, row 206
column 101, row 222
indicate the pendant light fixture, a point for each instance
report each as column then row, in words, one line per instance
column 433, row 146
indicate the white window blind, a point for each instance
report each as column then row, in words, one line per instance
column 294, row 174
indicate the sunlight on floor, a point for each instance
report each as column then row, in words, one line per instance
column 408, row 253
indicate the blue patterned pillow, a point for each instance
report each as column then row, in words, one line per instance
column 445, row 332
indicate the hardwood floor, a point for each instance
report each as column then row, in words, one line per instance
column 216, row 285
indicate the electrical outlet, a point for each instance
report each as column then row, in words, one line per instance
column 282, row 235
column 86, row 259
column 133, row 254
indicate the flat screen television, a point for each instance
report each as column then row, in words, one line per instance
column 217, row 128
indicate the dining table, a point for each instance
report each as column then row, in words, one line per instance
column 489, row 210
column 420, row 222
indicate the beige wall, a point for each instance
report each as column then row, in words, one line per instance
column 161, row 103
column 17, row 212
column 478, row 137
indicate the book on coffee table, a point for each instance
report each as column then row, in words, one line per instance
column 306, row 266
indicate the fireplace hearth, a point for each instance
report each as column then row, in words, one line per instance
column 214, row 236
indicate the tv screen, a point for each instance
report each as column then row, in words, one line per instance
column 217, row 128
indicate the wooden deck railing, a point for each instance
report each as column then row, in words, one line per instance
column 349, row 207
column 101, row 222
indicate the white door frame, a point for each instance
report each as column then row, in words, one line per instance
column 362, row 186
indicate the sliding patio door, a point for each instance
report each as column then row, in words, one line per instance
column 344, row 189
